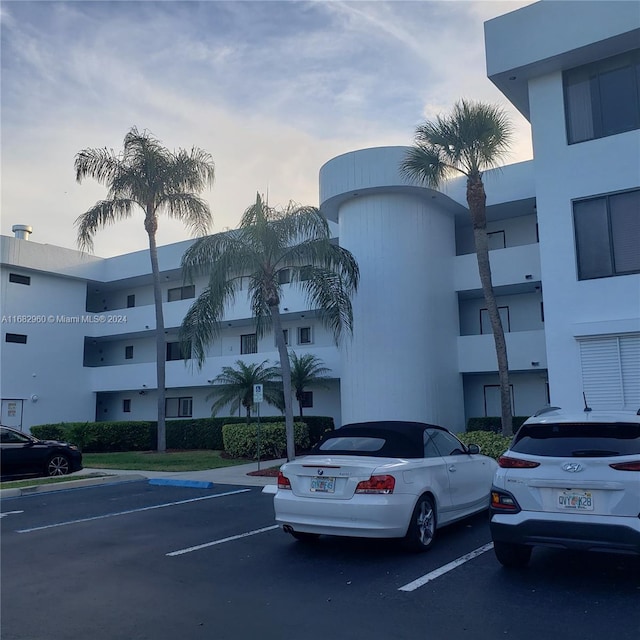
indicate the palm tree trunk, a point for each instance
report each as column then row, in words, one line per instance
column 476, row 198
column 285, row 367
column 160, row 339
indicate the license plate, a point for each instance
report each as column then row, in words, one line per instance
column 323, row 484
column 575, row 500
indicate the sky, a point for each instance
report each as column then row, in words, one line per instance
column 272, row 89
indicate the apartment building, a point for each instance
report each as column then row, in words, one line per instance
column 78, row 331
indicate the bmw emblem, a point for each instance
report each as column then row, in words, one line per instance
column 320, row 472
column 572, row 467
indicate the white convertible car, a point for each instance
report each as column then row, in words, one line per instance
column 383, row 480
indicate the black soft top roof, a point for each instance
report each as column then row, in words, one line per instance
column 401, row 439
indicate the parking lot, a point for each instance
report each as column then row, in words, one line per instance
column 138, row 561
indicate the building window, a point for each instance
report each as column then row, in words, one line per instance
column 304, row 335
column 128, row 352
column 284, row 276
column 306, row 273
column 19, row 279
column 178, row 407
column 601, row 99
column 18, row 338
column 607, row 234
column 307, row 399
column 610, row 371
column 249, row 343
column 126, row 405
column 485, row 322
column 496, row 240
column 131, row 300
column 181, row 293
column 175, row 351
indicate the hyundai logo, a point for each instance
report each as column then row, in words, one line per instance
column 320, row 472
column 572, row 467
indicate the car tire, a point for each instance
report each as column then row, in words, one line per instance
column 58, row 465
column 422, row 527
column 305, row 537
column 511, row 554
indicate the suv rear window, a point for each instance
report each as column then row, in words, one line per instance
column 578, row 440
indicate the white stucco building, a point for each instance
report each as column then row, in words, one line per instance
column 77, row 331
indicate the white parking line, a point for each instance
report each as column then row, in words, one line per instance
column 124, row 513
column 412, row 586
column 229, row 539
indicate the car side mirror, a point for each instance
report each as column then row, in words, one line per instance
column 472, row 449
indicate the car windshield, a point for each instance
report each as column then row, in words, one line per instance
column 379, row 439
column 578, row 440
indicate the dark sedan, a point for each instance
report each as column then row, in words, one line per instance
column 24, row 455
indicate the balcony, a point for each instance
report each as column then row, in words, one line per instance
column 526, row 351
column 141, row 376
column 510, row 266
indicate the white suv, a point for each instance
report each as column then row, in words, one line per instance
column 570, row 481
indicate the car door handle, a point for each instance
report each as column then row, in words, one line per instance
column 452, row 468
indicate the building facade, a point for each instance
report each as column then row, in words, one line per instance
column 78, row 331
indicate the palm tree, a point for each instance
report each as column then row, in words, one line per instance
column 268, row 245
column 307, row 370
column 473, row 138
column 236, row 385
column 148, row 176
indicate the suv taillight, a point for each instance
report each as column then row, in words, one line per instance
column 516, row 463
column 283, row 481
column 503, row 502
column 634, row 465
column 377, row 484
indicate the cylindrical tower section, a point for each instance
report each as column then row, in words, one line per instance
column 401, row 362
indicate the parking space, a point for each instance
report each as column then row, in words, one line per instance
column 138, row 561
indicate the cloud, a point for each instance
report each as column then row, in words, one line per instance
column 271, row 89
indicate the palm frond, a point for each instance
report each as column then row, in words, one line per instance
column 201, row 324
column 102, row 214
column 100, row 164
column 190, row 209
column 474, row 137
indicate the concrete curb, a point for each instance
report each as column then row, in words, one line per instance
column 71, row 484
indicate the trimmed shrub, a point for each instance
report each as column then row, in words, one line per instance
column 493, row 423
column 51, row 432
column 491, row 444
column 241, row 440
column 196, row 433
column 318, row 426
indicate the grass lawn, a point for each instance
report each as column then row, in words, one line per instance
column 154, row 461
column 145, row 461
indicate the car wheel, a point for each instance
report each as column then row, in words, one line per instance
column 304, row 537
column 422, row 528
column 512, row 555
column 58, row 465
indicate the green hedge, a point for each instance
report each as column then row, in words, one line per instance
column 241, row 440
column 197, row 433
column 491, row 444
column 493, row 423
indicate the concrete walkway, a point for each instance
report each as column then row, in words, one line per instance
column 234, row 475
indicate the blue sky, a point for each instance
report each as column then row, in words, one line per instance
column 272, row 89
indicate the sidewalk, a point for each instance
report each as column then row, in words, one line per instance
column 234, row 475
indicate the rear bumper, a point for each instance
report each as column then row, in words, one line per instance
column 363, row 516
column 603, row 533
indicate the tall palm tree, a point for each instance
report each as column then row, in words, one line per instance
column 269, row 244
column 148, row 176
column 307, row 370
column 236, row 385
column 473, row 138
